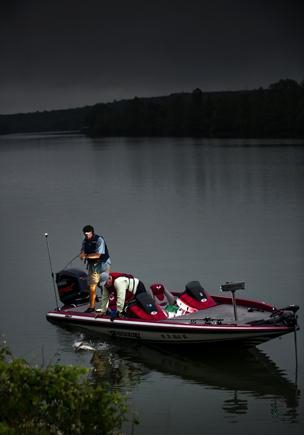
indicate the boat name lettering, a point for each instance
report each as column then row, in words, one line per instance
column 125, row 334
column 174, row 336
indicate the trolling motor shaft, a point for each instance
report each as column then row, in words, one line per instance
column 233, row 287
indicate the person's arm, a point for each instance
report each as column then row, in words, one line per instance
column 102, row 249
column 91, row 256
column 82, row 254
column 94, row 255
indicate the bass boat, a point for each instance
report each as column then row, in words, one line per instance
column 189, row 317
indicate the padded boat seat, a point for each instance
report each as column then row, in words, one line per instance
column 194, row 298
column 161, row 295
column 145, row 308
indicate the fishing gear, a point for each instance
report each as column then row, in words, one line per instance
column 51, row 268
column 71, row 261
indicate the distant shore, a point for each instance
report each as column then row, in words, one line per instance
column 275, row 112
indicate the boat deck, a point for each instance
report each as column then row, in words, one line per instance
column 223, row 313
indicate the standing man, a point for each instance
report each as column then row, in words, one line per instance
column 95, row 251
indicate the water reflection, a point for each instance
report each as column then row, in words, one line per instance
column 120, row 372
column 242, row 374
column 175, row 210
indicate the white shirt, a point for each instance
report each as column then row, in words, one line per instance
column 122, row 284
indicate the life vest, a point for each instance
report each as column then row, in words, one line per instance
column 90, row 247
column 130, row 293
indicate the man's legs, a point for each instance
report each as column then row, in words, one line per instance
column 93, row 281
column 94, row 278
column 93, row 295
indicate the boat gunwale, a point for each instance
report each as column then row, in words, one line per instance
column 89, row 318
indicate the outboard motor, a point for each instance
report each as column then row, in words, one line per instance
column 194, row 298
column 72, row 285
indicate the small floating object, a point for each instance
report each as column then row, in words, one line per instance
column 82, row 345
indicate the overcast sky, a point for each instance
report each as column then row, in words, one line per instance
column 70, row 53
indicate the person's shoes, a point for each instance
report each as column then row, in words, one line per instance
column 90, row 310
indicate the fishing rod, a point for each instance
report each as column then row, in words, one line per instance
column 51, row 268
column 71, row 261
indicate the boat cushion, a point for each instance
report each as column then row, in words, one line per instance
column 161, row 295
column 139, row 313
column 194, row 298
column 145, row 308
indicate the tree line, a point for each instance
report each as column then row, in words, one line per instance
column 275, row 112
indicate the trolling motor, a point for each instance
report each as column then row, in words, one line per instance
column 233, row 287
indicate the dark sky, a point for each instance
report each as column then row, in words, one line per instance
column 70, row 53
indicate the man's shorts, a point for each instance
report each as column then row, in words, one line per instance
column 94, row 276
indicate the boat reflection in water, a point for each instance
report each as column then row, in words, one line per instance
column 242, row 374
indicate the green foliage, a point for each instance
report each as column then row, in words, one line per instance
column 55, row 400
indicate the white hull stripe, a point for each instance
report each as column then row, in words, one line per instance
column 142, row 325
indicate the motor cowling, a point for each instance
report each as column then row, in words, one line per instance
column 72, row 286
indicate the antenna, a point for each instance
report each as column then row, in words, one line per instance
column 51, row 268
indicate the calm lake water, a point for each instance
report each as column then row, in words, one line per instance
column 171, row 210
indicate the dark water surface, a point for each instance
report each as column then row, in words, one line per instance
column 171, row 210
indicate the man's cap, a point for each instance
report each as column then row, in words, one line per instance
column 88, row 229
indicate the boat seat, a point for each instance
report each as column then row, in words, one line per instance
column 161, row 295
column 144, row 308
column 195, row 298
